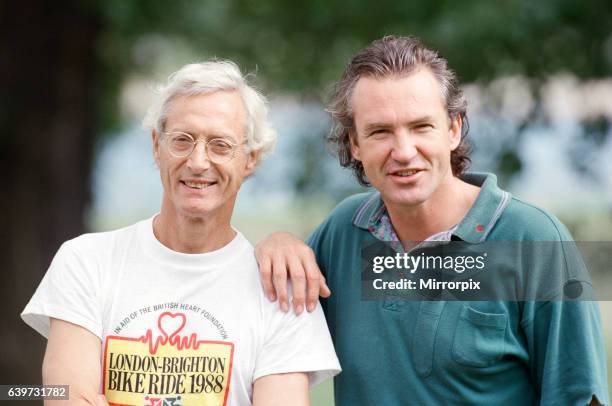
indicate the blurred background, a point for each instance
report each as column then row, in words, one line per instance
column 77, row 76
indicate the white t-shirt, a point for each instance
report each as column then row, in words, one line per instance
column 177, row 329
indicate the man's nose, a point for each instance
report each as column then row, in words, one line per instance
column 404, row 147
column 198, row 161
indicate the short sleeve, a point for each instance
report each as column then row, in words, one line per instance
column 297, row 344
column 68, row 291
column 568, row 358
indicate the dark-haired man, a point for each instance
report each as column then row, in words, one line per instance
column 400, row 123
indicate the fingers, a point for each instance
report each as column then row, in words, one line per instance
column 281, row 254
column 324, row 290
column 298, row 283
column 266, row 253
column 313, row 278
column 265, row 274
column 279, row 281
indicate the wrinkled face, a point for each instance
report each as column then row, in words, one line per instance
column 194, row 186
column 403, row 136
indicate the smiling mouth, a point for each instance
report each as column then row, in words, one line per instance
column 197, row 185
column 405, row 173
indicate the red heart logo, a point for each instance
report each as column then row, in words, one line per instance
column 170, row 324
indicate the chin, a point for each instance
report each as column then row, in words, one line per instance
column 405, row 199
column 197, row 211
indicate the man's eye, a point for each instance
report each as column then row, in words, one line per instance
column 424, row 127
column 220, row 146
column 180, row 139
column 380, row 131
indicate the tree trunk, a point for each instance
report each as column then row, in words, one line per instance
column 47, row 106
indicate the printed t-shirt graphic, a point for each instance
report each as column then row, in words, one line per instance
column 166, row 367
column 117, row 285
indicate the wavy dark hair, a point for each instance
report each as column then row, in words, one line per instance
column 393, row 56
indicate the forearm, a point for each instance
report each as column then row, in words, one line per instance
column 78, row 400
column 79, row 394
column 72, row 358
column 281, row 390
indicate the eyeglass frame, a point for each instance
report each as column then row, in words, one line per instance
column 195, row 141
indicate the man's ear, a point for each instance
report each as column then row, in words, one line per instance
column 251, row 162
column 355, row 151
column 454, row 132
column 156, row 146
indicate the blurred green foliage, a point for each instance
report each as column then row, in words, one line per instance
column 303, row 46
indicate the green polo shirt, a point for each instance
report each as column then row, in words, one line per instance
column 437, row 352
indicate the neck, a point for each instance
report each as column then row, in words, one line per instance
column 443, row 210
column 192, row 234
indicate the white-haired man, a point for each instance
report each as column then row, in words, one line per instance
column 170, row 311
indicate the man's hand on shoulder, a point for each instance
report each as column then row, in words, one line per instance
column 72, row 358
column 282, row 254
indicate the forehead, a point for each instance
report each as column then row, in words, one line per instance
column 221, row 111
column 397, row 98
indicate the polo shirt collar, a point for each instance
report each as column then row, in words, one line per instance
column 475, row 226
column 486, row 210
column 369, row 210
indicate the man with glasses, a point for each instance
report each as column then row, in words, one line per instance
column 170, row 311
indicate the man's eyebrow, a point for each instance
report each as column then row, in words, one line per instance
column 181, row 130
column 422, row 119
column 375, row 126
column 195, row 134
column 379, row 125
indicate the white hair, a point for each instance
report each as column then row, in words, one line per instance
column 208, row 77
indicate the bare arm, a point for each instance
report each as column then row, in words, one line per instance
column 281, row 390
column 282, row 254
column 73, row 358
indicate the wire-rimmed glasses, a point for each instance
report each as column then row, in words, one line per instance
column 218, row 150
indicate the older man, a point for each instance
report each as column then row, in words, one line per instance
column 170, row 311
column 400, row 123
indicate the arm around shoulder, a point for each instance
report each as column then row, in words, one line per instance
column 73, row 358
column 281, row 257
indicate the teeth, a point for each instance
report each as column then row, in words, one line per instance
column 197, row 185
column 405, row 173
